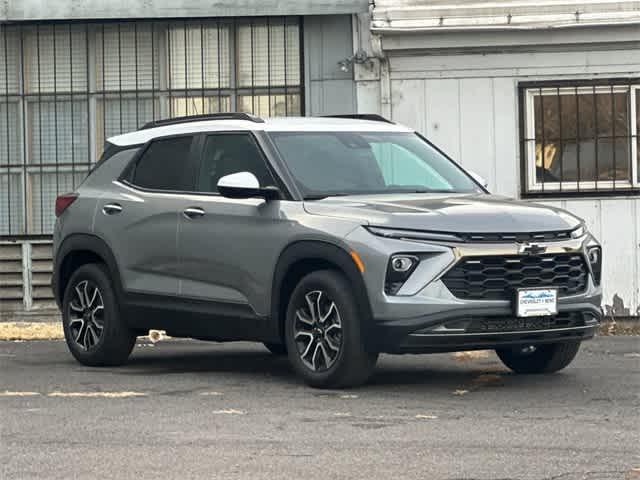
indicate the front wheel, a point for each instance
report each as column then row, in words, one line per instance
column 539, row 359
column 323, row 333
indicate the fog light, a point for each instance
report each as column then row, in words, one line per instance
column 402, row 264
column 399, row 270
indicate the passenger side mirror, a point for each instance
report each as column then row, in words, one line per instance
column 245, row 185
column 479, row 178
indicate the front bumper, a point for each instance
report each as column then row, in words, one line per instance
column 442, row 333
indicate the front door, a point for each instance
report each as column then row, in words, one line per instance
column 228, row 247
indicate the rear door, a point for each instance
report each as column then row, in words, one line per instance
column 138, row 215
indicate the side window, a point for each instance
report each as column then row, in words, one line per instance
column 164, row 165
column 228, row 153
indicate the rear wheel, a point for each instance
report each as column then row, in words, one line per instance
column 539, row 359
column 323, row 333
column 93, row 329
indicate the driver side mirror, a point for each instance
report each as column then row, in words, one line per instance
column 245, row 185
column 479, row 178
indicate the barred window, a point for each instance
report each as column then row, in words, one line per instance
column 65, row 88
column 581, row 137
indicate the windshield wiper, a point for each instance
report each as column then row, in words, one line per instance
column 441, row 190
column 321, row 196
column 415, row 189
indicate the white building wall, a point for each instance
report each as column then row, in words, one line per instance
column 467, row 104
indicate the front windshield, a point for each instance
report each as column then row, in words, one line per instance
column 353, row 163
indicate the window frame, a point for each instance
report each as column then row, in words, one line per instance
column 530, row 187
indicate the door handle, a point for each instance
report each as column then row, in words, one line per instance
column 193, row 212
column 111, row 208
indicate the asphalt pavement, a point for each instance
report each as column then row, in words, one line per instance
column 187, row 409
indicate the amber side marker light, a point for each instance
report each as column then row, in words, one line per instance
column 357, row 260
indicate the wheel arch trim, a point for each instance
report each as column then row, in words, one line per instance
column 316, row 250
column 82, row 242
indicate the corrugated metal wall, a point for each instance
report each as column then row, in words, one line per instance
column 25, row 278
column 468, row 105
column 327, row 40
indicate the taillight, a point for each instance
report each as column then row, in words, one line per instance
column 63, row 202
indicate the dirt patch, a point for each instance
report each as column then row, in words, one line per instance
column 31, row 331
column 20, row 331
column 471, row 355
column 623, row 326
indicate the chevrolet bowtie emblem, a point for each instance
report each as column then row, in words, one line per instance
column 531, row 248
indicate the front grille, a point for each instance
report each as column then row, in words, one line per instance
column 496, row 277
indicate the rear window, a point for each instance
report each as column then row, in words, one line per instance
column 163, row 166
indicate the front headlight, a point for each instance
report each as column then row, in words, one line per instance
column 579, row 232
column 401, row 234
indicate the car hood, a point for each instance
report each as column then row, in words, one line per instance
column 463, row 213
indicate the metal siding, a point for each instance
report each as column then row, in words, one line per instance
column 476, row 128
column 447, row 15
column 329, row 97
column 327, row 40
column 443, row 112
column 409, row 105
column 500, row 40
column 18, row 10
column 468, row 107
column 507, row 154
column 550, row 64
column 368, row 97
column 617, row 235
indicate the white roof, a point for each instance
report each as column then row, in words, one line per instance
column 395, row 16
column 276, row 124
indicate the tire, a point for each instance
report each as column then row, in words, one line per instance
column 96, row 335
column 342, row 360
column 276, row 348
column 544, row 359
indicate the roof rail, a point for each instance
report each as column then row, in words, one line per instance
column 374, row 117
column 200, row 118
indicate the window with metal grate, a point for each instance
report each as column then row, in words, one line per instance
column 580, row 137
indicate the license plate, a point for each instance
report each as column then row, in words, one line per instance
column 536, row 302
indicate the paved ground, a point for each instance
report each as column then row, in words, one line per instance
column 235, row 411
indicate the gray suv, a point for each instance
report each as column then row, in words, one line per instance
column 328, row 239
